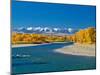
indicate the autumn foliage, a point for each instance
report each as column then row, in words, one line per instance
column 84, row 36
column 22, row 38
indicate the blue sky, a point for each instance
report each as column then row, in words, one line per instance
column 26, row 14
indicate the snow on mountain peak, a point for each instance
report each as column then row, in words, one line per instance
column 70, row 29
column 45, row 30
column 56, row 29
column 29, row 28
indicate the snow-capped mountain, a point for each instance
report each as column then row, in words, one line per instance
column 44, row 30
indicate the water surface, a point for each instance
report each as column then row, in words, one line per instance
column 43, row 58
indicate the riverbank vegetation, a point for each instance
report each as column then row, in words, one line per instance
column 87, row 36
column 23, row 38
column 82, row 36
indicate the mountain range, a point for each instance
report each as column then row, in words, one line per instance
column 44, row 30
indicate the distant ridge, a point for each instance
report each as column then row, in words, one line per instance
column 44, row 30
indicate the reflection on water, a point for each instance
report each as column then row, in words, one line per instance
column 42, row 58
column 20, row 56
